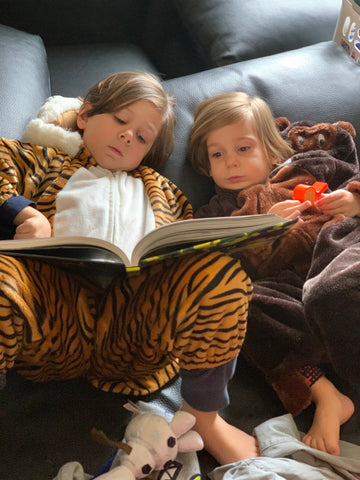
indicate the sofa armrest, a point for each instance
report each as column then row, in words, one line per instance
column 24, row 80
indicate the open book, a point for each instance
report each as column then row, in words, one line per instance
column 174, row 239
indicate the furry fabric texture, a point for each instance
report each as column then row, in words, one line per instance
column 282, row 337
column 294, row 249
column 279, row 341
column 331, row 296
column 55, row 125
column 334, row 138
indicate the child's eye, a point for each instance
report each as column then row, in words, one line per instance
column 141, row 138
column 119, row 120
column 215, row 154
column 244, row 149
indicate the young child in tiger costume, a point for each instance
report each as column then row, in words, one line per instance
column 134, row 335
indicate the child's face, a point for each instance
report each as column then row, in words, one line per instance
column 120, row 140
column 237, row 159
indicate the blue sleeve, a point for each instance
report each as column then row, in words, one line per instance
column 12, row 206
column 205, row 389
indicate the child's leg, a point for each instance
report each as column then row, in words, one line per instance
column 189, row 313
column 332, row 409
column 226, row 443
column 278, row 341
column 45, row 321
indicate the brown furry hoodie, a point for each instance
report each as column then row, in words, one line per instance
column 279, row 339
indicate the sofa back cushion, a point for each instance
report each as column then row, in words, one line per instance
column 69, row 22
column 73, row 70
column 318, row 83
column 234, row 30
column 152, row 26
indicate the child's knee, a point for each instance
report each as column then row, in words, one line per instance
column 228, row 283
column 226, row 270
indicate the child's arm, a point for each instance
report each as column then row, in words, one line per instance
column 18, row 165
column 30, row 223
column 23, row 168
column 340, row 202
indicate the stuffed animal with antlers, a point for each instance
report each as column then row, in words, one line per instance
column 151, row 443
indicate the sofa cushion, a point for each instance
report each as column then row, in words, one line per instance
column 24, row 79
column 318, row 82
column 76, row 68
column 234, row 30
column 152, row 25
column 68, row 22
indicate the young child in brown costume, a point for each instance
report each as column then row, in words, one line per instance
column 235, row 141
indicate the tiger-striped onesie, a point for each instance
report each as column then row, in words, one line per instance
column 135, row 335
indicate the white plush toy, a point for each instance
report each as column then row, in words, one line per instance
column 55, row 125
column 150, row 443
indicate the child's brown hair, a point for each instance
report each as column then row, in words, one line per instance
column 124, row 88
column 227, row 108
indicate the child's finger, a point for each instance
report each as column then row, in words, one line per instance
column 303, row 206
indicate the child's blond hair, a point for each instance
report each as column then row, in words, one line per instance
column 124, row 88
column 228, row 108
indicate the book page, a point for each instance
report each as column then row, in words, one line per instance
column 72, row 247
column 199, row 230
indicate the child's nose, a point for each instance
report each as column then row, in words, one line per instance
column 127, row 135
column 232, row 160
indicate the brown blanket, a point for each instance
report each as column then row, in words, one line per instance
column 331, row 296
column 279, row 340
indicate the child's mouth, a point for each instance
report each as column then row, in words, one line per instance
column 116, row 151
column 236, row 179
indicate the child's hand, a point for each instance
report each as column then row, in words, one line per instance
column 340, row 202
column 31, row 224
column 289, row 208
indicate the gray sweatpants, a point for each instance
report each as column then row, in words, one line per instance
column 285, row 457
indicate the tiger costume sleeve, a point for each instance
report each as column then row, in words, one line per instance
column 22, row 168
column 31, row 174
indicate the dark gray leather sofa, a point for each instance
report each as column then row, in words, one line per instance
column 283, row 53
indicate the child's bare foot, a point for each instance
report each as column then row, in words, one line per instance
column 332, row 409
column 226, row 443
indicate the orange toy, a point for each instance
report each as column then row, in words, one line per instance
column 312, row 192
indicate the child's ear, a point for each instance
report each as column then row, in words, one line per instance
column 82, row 117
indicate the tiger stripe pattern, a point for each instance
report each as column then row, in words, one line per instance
column 46, row 320
column 39, row 173
column 131, row 338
